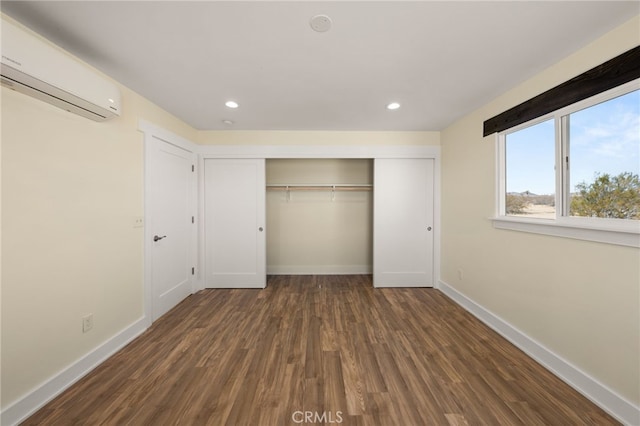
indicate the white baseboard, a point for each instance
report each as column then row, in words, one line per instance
column 319, row 269
column 41, row 395
column 618, row 407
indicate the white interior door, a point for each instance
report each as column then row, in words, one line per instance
column 172, row 203
column 235, row 243
column 403, row 223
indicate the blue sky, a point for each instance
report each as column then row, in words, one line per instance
column 604, row 138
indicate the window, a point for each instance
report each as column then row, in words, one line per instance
column 576, row 167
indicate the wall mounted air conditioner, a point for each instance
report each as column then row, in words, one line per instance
column 33, row 67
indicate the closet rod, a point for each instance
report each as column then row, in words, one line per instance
column 319, row 187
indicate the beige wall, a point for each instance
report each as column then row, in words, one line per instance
column 579, row 299
column 70, row 191
column 317, row 138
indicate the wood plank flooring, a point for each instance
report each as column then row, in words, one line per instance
column 320, row 350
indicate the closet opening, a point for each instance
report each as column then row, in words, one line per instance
column 319, row 216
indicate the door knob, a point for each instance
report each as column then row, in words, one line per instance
column 260, row 229
column 156, row 238
column 428, row 228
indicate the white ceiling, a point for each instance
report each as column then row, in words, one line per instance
column 440, row 60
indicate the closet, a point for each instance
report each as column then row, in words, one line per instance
column 319, row 216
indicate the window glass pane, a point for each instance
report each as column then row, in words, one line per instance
column 530, row 171
column 604, row 159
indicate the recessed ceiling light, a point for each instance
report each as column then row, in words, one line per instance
column 231, row 104
column 228, row 122
column 393, row 105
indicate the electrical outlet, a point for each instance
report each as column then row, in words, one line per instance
column 138, row 222
column 460, row 274
column 87, row 323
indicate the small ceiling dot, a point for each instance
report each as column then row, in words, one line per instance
column 320, row 23
column 228, row 122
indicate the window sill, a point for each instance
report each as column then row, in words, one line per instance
column 618, row 234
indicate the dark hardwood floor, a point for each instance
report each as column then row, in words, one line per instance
column 320, row 350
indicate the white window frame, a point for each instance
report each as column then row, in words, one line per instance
column 612, row 231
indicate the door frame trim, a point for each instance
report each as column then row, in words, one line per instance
column 152, row 132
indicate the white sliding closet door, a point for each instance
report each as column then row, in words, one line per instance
column 403, row 222
column 235, row 243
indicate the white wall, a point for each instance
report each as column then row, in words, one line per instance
column 317, row 232
column 71, row 189
column 579, row 299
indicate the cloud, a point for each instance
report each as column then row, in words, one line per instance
column 612, row 133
